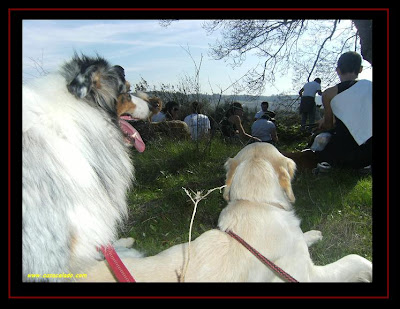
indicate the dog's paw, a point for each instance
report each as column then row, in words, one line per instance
column 123, row 247
column 124, row 242
column 311, row 237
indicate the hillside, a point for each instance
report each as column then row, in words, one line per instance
column 253, row 102
column 276, row 102
column 250, row 102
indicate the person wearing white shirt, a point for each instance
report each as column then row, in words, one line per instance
column 199, row 124
column 264, row 109
column 307, row 104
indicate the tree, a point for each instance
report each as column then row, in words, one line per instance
column 364, row 28
column 307, row 47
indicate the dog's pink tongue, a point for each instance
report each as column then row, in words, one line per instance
column 132, row 135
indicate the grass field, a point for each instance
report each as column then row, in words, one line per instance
column 339, row 203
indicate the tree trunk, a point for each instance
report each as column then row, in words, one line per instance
column 364, row 28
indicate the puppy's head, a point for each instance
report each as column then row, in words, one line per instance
column 257, row 173
column 95, row 81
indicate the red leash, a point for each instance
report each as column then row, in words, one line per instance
column 262, row 258
column 117, row 266
column 123, row 275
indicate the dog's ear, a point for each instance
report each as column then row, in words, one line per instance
column 123, row 85
column 286, row 174
column 128, row 86
column 120, row 71
column 81, row 85
column 230, row 167
column 291, row 166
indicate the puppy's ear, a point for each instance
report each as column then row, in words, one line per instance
column 230, row 167
column 285, row 177
column 82, row 83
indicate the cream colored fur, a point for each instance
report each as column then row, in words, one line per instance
column 259, row 193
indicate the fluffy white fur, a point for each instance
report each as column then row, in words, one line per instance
column 76, row 172
column 259, row 194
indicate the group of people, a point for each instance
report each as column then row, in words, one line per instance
column 347, row 119
column 198, row 123
column 263, row 128
column 345, row 129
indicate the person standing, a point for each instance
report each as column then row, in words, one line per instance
column 307, row 103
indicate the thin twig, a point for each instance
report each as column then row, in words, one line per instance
column 195, row 200
column 322, row 47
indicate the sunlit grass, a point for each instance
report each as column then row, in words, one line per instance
column 339, row 203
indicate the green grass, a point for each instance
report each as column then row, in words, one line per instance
column 339, row 204
column 160, row 210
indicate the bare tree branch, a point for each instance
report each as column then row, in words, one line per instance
column 306, row 46
column 321, row 48
column 166, row 22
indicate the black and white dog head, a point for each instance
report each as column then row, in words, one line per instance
column 95, row 81
column 101, row 85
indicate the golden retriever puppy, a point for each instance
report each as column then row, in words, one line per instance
column 259, row 195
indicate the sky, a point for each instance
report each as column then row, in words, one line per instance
column 143, row 48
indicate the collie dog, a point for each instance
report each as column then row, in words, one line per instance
column 259, row 195
column 76, row 165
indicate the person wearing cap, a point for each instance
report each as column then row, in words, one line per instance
column 231, row 124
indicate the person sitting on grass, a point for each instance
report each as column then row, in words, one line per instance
column 169, row 112
column 231, row 124
column 265, row 129
column 198, row 123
